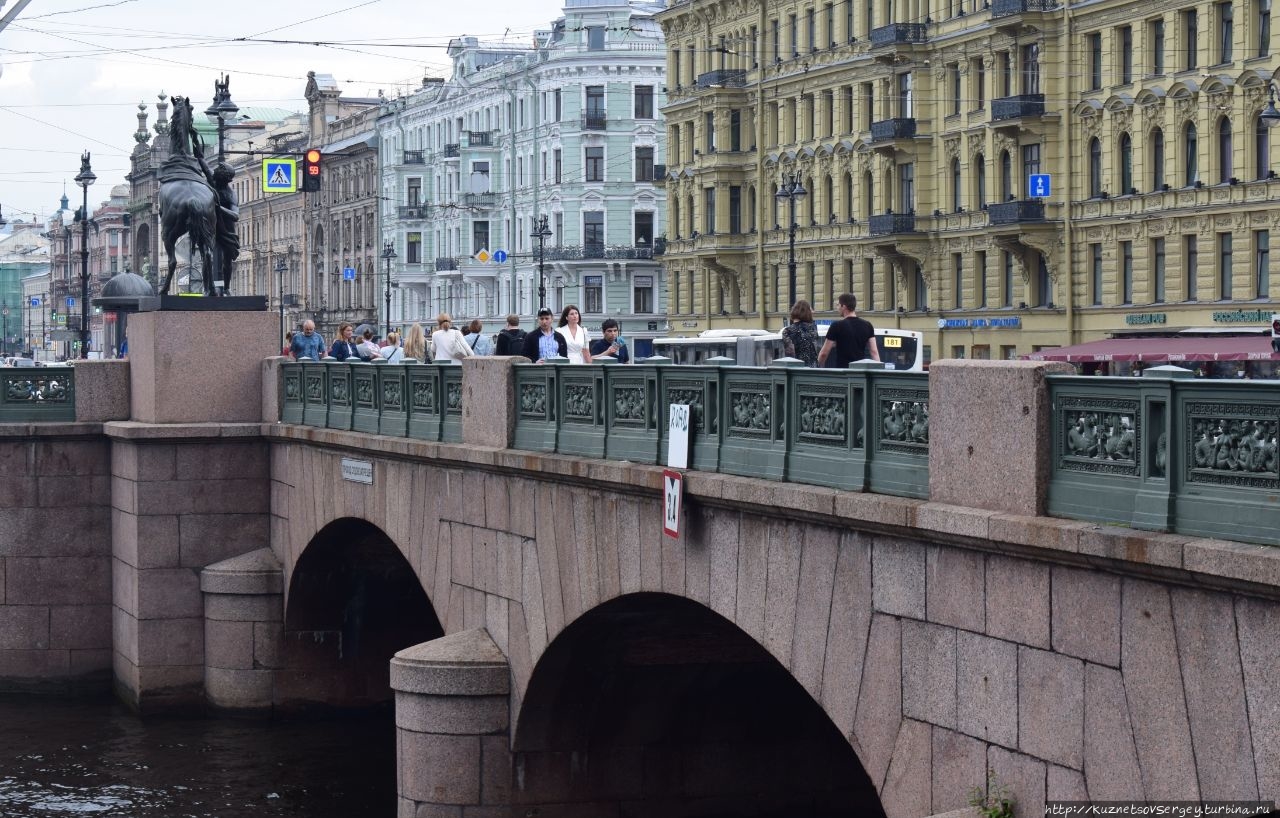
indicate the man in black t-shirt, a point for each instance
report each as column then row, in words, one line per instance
column 849, row 339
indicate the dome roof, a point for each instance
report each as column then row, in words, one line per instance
column 127, row 285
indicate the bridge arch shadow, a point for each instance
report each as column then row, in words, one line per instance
column 354, row 600
column 653, row 704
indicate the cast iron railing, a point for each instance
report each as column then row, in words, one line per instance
column 37, row 394
column 1006, row 8
column 885, row 224
column 1027, row 210
column 896, row 33
column 1016, row 107
column 888, row 129
column 723, row 77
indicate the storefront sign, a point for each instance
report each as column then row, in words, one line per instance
column 979, row 323
column 1145, row 318
column 1241, row 316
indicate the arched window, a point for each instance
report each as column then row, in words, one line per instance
column 1157, row 159
column 847, row 197
column 868, row 194
column 1126, row 164
column 980, row 182
column 830, row 199
column 957, row 200
column 1261, row 149
column 1190, row 167
column 1224, row 150
column 1006, row 176
column 1095, row 168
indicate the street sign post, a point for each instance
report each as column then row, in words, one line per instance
column 1040, row 185
column 348, row 273
column 71, row 302
column 672, row 497
column 35, row 301
column 499, row 256
column 279, row 175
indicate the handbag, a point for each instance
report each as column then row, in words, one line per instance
column 460, row 346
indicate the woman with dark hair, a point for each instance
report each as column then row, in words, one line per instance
column 344, row 346
column 475, row 338
column 575, row 336
column 800, row 337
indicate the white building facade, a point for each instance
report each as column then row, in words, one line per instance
column 568, row 129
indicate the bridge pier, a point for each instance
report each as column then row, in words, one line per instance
column 453, row 717
column 243, row 618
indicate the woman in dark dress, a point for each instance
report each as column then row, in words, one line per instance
column 800, row 337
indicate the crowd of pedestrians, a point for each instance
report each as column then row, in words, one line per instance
column 569, row 339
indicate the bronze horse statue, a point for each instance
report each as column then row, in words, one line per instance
column 188, row 204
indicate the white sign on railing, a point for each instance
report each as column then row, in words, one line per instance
column 678, row 436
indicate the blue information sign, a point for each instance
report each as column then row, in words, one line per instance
column 35, row 301
column 348, row 273
column 499, row 256
column 1039, row 184
column 71, row 302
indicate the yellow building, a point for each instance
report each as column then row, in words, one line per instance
column 916, row 126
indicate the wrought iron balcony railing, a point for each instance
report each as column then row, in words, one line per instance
column 1016, row 107
column 445, row 264
column 885, row 224
column 593, row 122
column 414, row 158
column 597, row 251
column 1007, row 8
column 480, row 199
column 723, row 78
column 889, row 129
column 480, row 139
column 899, row 33
column 452, row 150
column 411, row 212
column 1026, row 210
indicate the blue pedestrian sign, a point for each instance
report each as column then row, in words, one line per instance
column 499, row 256
column 348, row 273
column 71, row 302
column 279, row 175
column 35, row 301
column 1040, row 186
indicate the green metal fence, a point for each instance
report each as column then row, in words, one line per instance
column 37, row 394
column 1192, row 456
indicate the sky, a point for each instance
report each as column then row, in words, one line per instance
column 72, row 72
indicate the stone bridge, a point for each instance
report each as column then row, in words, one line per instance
column 798, row 650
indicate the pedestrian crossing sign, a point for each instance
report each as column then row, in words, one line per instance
column 279, row 175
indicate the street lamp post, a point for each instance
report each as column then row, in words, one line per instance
column 388, row 253
column 223, row 110
column 541, row 232
column 791, row 191
column 280, row 268
column 84, row 178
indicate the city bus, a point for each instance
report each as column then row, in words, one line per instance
column 901, row 349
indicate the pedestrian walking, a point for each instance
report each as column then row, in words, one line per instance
column 416, row 346
column 510, row 340
column 476, row 339
column 447, row 343
column 392, row 353
column 344, row 346
column 308, row 343
column 576, row 337
column 800, row 337
column 849, row 339
column 544, row 342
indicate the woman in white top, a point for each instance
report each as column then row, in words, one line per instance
column 392, row 351
column 447, row 343
column 575, row 336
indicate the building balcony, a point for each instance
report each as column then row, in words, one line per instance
column 659, row 247
column 886, row 224
column 452, row 151
column 411, row 212
column 446, row 264
column 723, row 78
column 888, row 130
column 593, row 122
column 587, row 252
column 480, row 199
column 480, row 139
column 1018, row 106
column 899, row 34
column 1016, row 212
column 1008, row 8
column 414, row 158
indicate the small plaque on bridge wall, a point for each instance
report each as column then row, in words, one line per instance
column 357, row 471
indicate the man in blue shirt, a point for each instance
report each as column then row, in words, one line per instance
column 308, row 343
column 611, row 343
column 544, row 342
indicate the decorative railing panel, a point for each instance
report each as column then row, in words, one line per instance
column 451, row 390
column 889, row 129
column 1015, row 212
column 536, row 408
column 392, row 383
column 37, row 395
column 365, row 400
column 885, row 224
column 898, row 34
column 582, row 416
column 1016, row 107
column 425, row 404
column 291, row 393
column 1007, row 8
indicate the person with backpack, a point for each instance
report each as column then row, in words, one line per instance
column 511, row 339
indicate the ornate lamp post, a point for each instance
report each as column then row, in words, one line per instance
column 388, row 253
column 223, row 109
column 790, row 192
column 84, row 178
column 541, row 232
column 280, row 268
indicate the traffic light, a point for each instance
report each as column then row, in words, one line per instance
column 311, row 167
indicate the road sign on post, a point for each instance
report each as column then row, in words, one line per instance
column 348, row 273
column 279, row 175
column 1040, row 185
column 500, row 256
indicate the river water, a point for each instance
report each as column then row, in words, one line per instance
column 74, row 758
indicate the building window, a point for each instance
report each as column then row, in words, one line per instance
column 1224, row 266
column 980, row 278
column 1225, row 32
column 595, row 165
column 1155, row 33
column 558, row 164
column 559, row 108
column 906, row 187
column 595, row 102
column 1044, row 286
column 957, row 279
column 1004, row 64
column 1126, row 272
column 709, row 132
column 709, row 210
column 1006, row 280
column 980, row 182
column 644, row 229
column 644, row 102
column 1190, row 266
column 1264, row 27
column 811, row 30
column 593, row 232
column 906, row 96
column 953, row 72
column 1126, row 165
column 642, row 294
column 1190, row 166
column 920, row 291
column 980, row 84
column 1031, row 69
column 794, row 27
column 1262, row 263
column 956, row 182
column 776, row 40
column 1261, row 149
column 479, row 236
column 595, row 38
column 413, row 192
column 869, row 271
column 735, row 130
column 1006, row 177
column 413, row 248
column 1157, row 159
column 1095, row 168
column 593, row 294
column 1030, row 160
column 1095, row 275
column 1126, row 55
column 1190, row 40
column 735, row 209
column 644, row 164
column 1095, row 60
column 1157, row 270
column 1224, row 150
